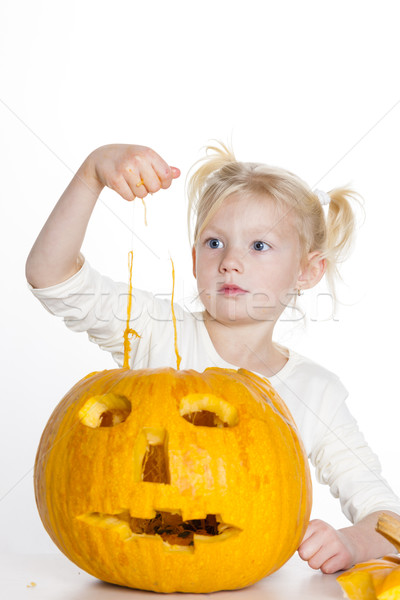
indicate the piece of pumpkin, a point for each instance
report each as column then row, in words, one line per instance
column 358, row 583
column 376, row 579
column 389, row 587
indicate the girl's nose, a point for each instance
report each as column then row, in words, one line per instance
column 231, row 261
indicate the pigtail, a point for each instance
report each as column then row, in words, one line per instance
column 340, row 230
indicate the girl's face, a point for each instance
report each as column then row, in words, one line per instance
column 247, row 261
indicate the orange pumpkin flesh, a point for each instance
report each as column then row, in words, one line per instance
column 170, row 480
column 389, row 587
column 359, row 581
column 376, row 579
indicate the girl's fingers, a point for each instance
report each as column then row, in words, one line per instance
column 308, row 533
column 125, row 190
column 316, row 552
column 137, row 171
column 143, row 179
column 135, row 181
column 335, row 563
column 310, row 547
column 164, row 172
column 175, row 172
column 325, row 549
column 323, row 555
column 151, row 177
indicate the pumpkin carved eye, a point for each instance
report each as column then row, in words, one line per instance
column 208, row 410
column 106, row 410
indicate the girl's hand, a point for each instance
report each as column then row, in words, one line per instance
column 131, row 171
column 325, row 548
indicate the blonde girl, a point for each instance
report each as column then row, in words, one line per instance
column 261, row 237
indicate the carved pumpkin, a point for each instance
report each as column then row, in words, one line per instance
column 170, row 480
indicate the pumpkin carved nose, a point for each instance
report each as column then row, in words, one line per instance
column 151, row 461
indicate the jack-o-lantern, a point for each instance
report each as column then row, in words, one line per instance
column 170, row 480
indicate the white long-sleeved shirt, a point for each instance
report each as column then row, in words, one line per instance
column 316, row 398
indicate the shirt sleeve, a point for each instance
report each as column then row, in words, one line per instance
column 344, row 461
column 91, row 302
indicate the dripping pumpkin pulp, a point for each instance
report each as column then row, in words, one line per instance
column 128, row 331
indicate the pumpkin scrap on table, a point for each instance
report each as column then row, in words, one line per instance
column 376, row 579
column 170, row 480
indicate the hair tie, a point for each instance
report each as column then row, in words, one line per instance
column 323, row 197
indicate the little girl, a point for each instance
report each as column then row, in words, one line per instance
column 261, row 237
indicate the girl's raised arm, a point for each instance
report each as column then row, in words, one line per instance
column 132, row 171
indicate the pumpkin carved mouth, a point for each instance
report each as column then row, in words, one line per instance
column 167, row 525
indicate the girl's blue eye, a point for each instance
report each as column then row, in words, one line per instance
column 214, row 243
column 261, row 246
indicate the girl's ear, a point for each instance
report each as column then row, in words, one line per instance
column 312, row 272
column 194, row 261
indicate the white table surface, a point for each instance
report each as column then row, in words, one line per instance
column 56, row 578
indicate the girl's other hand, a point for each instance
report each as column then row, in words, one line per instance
column 325, row 548
column 132, row 171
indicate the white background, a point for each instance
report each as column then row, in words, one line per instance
column 311, row 86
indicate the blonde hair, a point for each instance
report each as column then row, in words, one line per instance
column 219, row 175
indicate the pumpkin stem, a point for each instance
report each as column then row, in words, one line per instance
column 389, row 526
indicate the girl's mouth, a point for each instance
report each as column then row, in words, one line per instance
column 231, row 290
